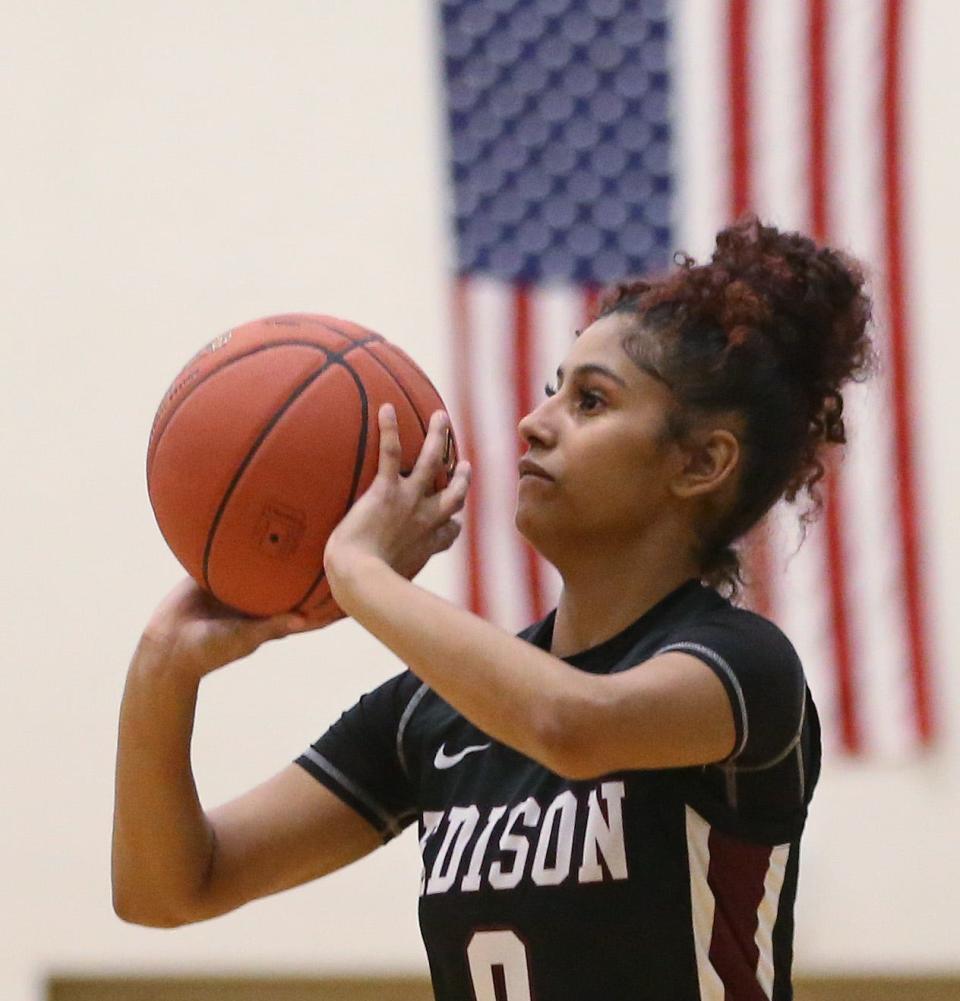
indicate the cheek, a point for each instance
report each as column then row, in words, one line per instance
column 619, row 479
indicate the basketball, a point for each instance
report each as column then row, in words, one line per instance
column 263, row 442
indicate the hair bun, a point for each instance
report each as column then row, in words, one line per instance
column 808, row 300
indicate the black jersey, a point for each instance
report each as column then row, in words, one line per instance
column 650, row 885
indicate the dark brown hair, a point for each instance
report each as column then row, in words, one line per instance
column 771, row 328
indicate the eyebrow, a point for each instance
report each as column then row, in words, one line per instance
column 593, row 368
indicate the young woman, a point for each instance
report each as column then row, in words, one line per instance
column 610, row 804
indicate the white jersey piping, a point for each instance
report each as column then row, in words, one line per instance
column 390, row 824
column 408, row 711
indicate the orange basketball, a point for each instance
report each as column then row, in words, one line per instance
column 265, row 440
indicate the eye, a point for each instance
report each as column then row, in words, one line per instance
column 588, row 401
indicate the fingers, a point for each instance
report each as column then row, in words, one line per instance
column 441, row 507
column 431, row 455
column 389, row 466
column 452, row 498
column 436, row 509
column 447, row 534
column 434, row 455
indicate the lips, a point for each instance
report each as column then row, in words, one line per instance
column 527, row 467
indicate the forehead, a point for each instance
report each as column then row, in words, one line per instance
column 604, row 342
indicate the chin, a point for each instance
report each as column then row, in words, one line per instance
column 542, row 535
column 528, row 524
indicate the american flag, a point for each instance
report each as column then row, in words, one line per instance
column 589, row 139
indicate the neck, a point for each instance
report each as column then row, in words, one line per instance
column 601, row 596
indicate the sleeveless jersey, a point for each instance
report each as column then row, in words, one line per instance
column 649, row 885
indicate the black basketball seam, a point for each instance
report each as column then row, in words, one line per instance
column 296, row 342
column 404, row 357
column 332, row 358
column 400, row 386
column 361, row 455
column 352, row 340
column 357, row 465
column 225, row 364
column 155, row 445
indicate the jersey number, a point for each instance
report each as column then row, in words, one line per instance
column 498, row 966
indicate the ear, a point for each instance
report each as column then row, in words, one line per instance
column 710, row 461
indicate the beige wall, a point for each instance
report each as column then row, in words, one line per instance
column 170, row 170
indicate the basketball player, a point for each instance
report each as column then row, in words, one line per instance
column 610, row 805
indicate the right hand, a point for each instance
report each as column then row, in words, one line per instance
column 197, row 632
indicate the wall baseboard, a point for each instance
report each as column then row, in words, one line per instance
column 67, row 988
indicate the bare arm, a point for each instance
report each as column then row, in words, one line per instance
column 668, row 712
column 172, row 862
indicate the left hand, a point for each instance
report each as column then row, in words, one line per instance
column 399, row 520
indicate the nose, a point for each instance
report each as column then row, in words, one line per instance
column 537, row 427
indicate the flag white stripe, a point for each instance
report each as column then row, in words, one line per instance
column 557, row 313
column 779, row 85
column 700, row 158
column 852, row 109
column 767, row 916
column 803, row 615
column 491, row 368
column 779, row 89
column 885, row 697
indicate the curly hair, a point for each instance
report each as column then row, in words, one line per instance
column 771, row 328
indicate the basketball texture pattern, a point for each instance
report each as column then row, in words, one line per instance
column 263, row 442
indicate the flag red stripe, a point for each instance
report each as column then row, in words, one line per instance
column 473, row 512
column 851, row 735
column 817, row 68
column 902, row 402
column 738, row 69
column 522, row 366
column 756, row 546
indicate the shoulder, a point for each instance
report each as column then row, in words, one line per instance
column 760, row 670
column 393, row 698
column 725, row 628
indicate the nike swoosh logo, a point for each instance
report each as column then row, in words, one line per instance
column 444, row 760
